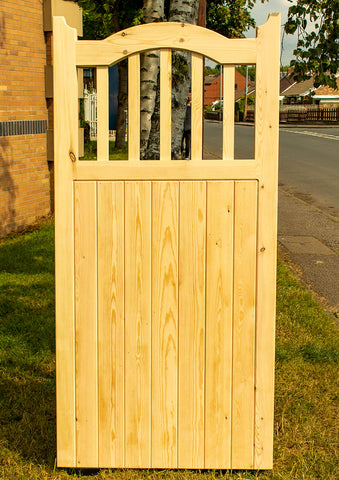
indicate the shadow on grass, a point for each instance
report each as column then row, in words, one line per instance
column 27, row 358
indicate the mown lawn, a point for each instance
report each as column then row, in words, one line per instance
column 306, row 401
column 90, row 151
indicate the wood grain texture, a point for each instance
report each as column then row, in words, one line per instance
column 165, row 104
column 65, row 140
column 153, row 261
column 178, row 36
column 267, row 144
column 178, row 170
column 228, row 112
column 138, row 324
column 197, row 106
column 111, row 323
column 192, row 241
column 86, row 365
column 164, row 323
column 134, row 107
column 219, row 305
column 102, row 113
column 244, row 303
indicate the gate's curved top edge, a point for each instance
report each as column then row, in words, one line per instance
column 173, row 35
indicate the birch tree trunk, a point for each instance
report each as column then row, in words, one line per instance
column 153, row 11
column 122, row 94
column 181, row 11
column 122, row 106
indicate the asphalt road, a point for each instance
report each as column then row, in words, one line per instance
column 308, row 160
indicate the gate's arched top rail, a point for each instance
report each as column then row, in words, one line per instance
column 173, row 35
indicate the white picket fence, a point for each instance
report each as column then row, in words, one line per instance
column 90, row 111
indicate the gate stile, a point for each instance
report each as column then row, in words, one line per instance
column 165, row 270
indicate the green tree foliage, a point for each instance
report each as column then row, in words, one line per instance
column 101, row 18
column 317, row 25
column 230, row 17
column 251, row 72
column 211, row 71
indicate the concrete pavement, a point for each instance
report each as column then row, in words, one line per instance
column 308, row 241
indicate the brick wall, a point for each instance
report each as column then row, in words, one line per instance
column 24, row 172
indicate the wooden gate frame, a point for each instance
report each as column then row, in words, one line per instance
column 68, row 54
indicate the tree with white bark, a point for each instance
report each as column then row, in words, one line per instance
column 179, row 11
column 104, row 17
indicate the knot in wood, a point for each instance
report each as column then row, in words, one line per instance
column 123, row 34
column 72, row 156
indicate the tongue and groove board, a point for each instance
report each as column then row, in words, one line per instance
column 165, row 323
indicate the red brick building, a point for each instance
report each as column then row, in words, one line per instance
column 26, row 110
column 212, row 87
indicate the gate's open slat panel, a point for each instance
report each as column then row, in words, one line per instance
column 134, row 107
column 137, row 324
column 219, row 305
column 192, row 241
column 86, row 366
column 244, row 306
column 111, row 323
column 102, row 113
column 228, row 112
column 197, row 106
column 165, row 104
column 165, row 201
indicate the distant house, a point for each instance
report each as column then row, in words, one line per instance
column 212, row 87
column 306, row 93
column 301, row 101
column 296, row 93
column 285, row 83
column 241, row 93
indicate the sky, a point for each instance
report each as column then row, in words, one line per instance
column 260, row 13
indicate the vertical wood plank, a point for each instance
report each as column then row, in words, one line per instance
column 244, row 302
column 164, row 323
column 197, row 106
column 134, row 107
column 191, row 365
column 228, row 112
column 137, row 324
column 219, row 304
column 86, row 366
column 165, row 104
column 111, row 323
column 266, row 147
column 65, row 140
column 102, row 114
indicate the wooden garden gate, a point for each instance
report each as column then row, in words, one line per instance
column 165, row 270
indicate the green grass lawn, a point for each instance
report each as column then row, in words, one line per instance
column 306, row 398
column 90, row 151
